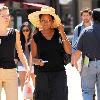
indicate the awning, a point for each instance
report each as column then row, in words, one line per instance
column 64, row 2
column 32, row 5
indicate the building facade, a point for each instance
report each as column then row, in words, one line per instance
column 19, row 9
column 68, row 11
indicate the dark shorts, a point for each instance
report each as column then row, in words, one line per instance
column 51, row 86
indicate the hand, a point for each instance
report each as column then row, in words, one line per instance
column 74, row 62
column 39, row 62
column 16, row 61
column 75, row 65
column 61, row 29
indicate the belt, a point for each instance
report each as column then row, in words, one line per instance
column 93, row 59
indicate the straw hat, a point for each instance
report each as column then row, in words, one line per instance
column 34, row 17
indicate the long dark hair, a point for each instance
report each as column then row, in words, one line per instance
column 22, row 37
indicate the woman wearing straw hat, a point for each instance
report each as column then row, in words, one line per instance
column 51, row 82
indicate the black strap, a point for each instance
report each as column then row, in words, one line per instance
column 79, row 30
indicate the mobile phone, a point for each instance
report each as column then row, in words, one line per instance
column 45, row 61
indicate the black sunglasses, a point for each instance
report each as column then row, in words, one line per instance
column 26, row 30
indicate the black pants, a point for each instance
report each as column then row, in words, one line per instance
column 51, row 86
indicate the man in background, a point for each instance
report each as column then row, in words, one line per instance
column 90, row 49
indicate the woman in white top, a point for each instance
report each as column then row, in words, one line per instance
column 25, row 37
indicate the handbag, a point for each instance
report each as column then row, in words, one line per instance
column 66, row 58
column 27, row 90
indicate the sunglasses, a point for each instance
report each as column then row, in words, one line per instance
column 26, row 30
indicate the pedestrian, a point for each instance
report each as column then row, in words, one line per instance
column 25, row 37
column 9, row 39
column 88, row 45
column 51, row 80
column 86, row 17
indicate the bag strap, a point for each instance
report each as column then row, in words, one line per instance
column 79, row 30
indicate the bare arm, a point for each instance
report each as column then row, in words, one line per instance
column 30, row 60
column 20, row 51
column 66, row 43
column 35, row 60
column 75, row 57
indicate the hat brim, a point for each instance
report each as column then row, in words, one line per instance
column 34, row 18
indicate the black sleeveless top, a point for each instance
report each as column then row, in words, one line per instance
column 7, row 48
column 49, row 50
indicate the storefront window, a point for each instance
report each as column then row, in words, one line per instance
column 66, row 17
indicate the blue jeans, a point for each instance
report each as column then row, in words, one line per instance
column 90, row 76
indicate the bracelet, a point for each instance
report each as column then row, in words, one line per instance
column 63, row 40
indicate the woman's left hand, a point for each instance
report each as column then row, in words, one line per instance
column 61, row 29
